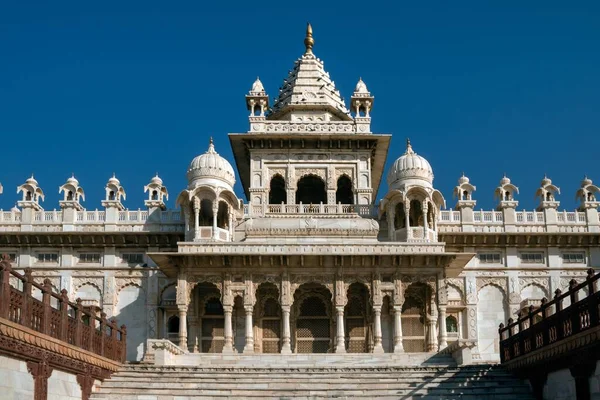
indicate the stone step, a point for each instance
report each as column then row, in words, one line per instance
column 142, row 382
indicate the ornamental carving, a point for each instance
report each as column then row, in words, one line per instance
column 320, row 172
column 277, row 171
column 498, row 282
column 54, row 281
column 121, row 283
column 542, row 282
column 78, row 282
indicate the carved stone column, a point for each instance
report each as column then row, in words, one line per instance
column 183, row 327
column 340, row 342
column 398, row 347
column 425, row 224
column 249, row 347
column 215, row 211
column 228, row 345
column 378, row 347
column 443, row 334
column 40, row 371
column 196, row 219
column 286, row 347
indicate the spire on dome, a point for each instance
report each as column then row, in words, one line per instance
column 409, row 149
column 309, row 42
column 211, row 146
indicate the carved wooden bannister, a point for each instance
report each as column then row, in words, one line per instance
column 54, row 315
column 551, row 323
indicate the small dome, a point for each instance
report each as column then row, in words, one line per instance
column 361, row 87
column 463, row 179
column 114, row 181
column 546, row 181
column 31, row 181
column 15, row 209
column 211, row 165
column 72, row 181
column 586, row 182
column 257, row 87
column 504, row 181
column 156, row 180
column 410, row 166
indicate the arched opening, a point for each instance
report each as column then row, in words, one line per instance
column 400, row 217
column 268, row 310
column 465, row 195
column 111, row 195
column 507, row 195
column 311, row 190
column 416, row 213
column 344, row 193
column 355, row 314
column 28, row 196
column 491, row 311
column 312, row 314
column 277, row 193
column 223, row 216
column 387, row 325
column 69, row 195
column 206, row 213
column 207, row 331
column 413, row 317
column 154, row 195
column 451, row 324
column 430, row 216
column 173, row 328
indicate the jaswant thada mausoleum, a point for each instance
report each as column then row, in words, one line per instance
column 308, row 260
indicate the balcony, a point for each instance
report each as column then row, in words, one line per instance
column 209, row 233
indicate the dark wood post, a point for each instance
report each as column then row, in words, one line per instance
column 574, row 315
column 123, row 343
column 90, row 339
column 5, row 269
column 26, row 307
column 40, row 371
column 78, row 315
column 64, row 316
column 113, row 339
column 46, row 297
column 102, row 332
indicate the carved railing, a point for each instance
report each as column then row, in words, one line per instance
column 54, row 315
column 551, row 322
column 363, row 210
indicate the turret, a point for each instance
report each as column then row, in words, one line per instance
column 30, row 202
column 112, row 202
column 362, row 103
column 505, row 193
column 588, row 196
column 70, row 204
column 157, row 194
column 464, row 193
column 546, row 193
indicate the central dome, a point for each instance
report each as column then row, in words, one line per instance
column 408, row 167
column 210, row 166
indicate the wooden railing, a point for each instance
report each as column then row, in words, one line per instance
column 550, row 323
column 54, row 315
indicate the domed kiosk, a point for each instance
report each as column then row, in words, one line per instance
column 412, row 204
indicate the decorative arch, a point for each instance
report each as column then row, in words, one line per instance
column 344, row 193
column 277, row 189
column 495, row 284
column 537, row 285
column 311, row 189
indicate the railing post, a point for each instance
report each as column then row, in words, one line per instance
column 78, row 315
column 90, row 338
column 123, row 343
column 500, row 334
column 592, row 300
column 5, row 269
column 510, row 342
column 64, row 316
column 26, row 307
column 102, row 331
column 574, row 314
column 113, row 339
column 545, row 331
column 46, row 296
column 590, row 276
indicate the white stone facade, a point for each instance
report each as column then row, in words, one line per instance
column 308, row 261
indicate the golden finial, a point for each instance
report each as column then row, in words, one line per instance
column 308, row 40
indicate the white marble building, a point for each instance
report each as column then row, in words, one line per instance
column 307, row 260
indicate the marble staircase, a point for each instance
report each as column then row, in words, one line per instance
column 313, row 378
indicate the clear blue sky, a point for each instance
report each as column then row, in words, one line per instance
column 137, row 88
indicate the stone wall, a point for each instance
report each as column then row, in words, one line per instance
column 15, row 381
column 63, row 386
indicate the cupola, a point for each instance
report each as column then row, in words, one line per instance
column 157, row 193
column 210, row 169
column 588, row 194
column 32, row 194
column 72, row 194
column 411, row 169
column 505, row 193
column 114, row 193
column 547, row 194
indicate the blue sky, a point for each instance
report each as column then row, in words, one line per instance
column 138, row 88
